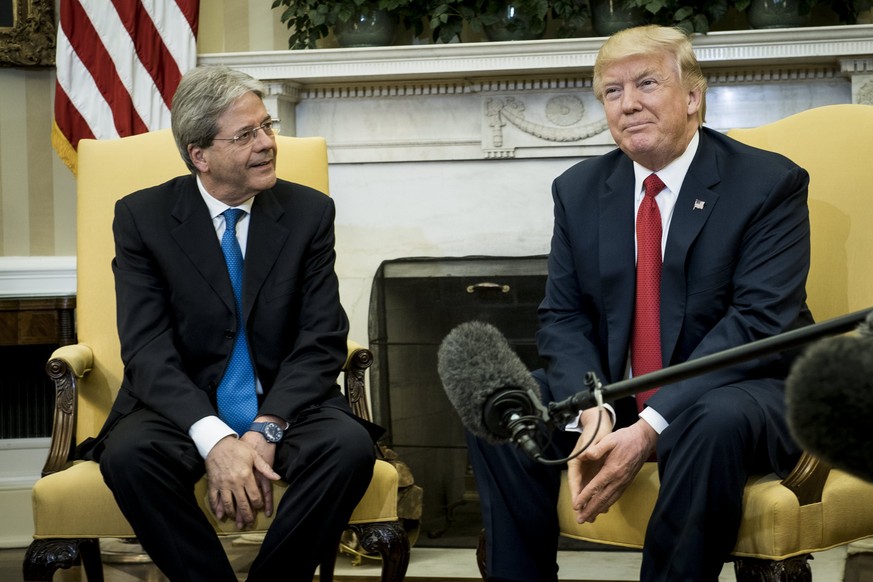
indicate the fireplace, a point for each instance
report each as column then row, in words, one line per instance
column 31, row 328
column 415, row 303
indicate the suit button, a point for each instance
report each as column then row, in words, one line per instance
column 228, row 334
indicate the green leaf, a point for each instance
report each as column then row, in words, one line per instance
column 655, row 6
column 701, row 23
column 683, row 13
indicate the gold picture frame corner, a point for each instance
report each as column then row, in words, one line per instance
column 27, row 33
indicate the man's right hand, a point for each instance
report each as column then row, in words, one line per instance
column 231, row 468
column 606, row 468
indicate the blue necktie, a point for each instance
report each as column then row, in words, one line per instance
column 237, row 398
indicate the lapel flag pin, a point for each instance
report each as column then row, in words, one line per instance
column 699, row 204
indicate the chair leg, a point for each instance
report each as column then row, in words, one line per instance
column 481, row 556
column 92, row 563
column 390, row 541
column 326, row 568
column 794, row 569
column 44, row 557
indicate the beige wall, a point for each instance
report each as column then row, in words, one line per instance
column 37, row 192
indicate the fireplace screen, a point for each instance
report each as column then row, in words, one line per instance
column 415, row 303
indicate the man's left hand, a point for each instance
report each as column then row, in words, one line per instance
column 267, row 451
column 265, row 481
column 232, row 467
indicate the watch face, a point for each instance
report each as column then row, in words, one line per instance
column 273, row 432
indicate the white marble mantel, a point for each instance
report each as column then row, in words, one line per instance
column 461, row 61
column 450, row 150
column 533, row 99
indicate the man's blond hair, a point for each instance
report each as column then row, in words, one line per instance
column 646, row 40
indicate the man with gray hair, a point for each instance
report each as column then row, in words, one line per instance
column 232, row 338
column 680, row 243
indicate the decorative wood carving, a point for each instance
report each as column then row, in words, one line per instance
column 794, row 569
column 389, row 540
column 30, row 40
column 355, row 385
column 807, row 479
column 45, row 557
column 64, row 421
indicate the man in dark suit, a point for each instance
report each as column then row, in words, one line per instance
column 189, row 322
column 730, row 253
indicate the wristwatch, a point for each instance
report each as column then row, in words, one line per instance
column 271, row 431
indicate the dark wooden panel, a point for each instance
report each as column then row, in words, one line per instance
column 31, row 328
column 37, row 320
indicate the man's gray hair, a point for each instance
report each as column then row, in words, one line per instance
column 203, row 94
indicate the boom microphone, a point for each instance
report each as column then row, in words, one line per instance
column 829, row 394
column 490, row 387
column 497, row 398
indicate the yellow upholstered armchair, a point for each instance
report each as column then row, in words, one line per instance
column 72, row 507
column 814, row 508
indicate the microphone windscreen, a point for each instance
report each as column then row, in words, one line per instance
column 474, row 362
column 829, row 395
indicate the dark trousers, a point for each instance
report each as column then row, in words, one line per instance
column 151, row 467
column 704, row 458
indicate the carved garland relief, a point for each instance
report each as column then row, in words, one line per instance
column 562, row 120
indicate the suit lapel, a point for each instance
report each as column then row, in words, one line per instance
column 195, row 226
column 617, row 261
column 693, row 208
column 266, row 238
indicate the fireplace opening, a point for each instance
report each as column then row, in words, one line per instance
column 415, row 303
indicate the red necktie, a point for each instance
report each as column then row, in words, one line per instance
column 646, row 339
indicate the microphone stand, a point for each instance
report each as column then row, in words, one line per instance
column 596, row 393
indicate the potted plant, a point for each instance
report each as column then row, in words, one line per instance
column 848, row 10
column 610, row 16
column 575, row 16
column 447, row 17
column 690, row 15
column 797, row 12
column 528, row 18
column 311, row 20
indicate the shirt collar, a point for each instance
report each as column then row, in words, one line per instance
column 673, row 174
column 216, row 207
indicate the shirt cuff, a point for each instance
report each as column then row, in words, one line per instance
column 576, row 426
column 655, row 420
column 206, row 433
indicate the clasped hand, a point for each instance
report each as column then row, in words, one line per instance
column 240, row 474
column 600, row 474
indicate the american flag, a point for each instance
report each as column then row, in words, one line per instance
column 118, row 65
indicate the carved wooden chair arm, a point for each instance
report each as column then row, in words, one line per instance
column 70, row 363
column 359, row 359
column 66, row 366
column 807, row 479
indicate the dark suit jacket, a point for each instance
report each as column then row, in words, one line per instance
column 734, row 270
column 176, row 315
